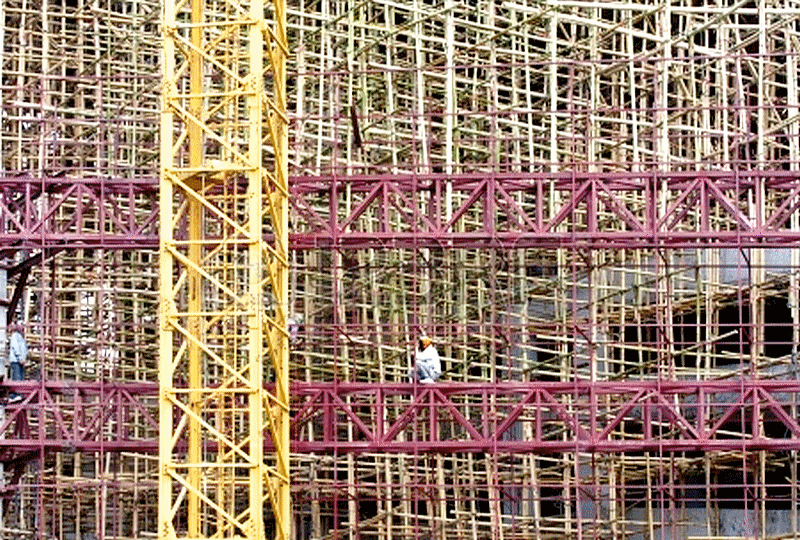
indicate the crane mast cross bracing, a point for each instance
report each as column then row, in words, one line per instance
column 223, row 190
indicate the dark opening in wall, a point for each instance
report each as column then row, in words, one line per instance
column 735, row 321
column 546, row 364
column 778, row 488
column 777, row 327
column 552, row 502
column 732, row 489
column 732, row 336
column 688, row 335
column 636, row 350
column 691, row 491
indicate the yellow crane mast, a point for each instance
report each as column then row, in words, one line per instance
column 224, row 272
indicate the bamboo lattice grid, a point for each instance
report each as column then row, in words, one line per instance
column 442, row 90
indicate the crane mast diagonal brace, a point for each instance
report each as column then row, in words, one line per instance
column 223, row 289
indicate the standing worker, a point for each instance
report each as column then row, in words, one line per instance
column 17, row 357
column 427, row 366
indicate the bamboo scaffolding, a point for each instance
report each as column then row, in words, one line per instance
column 445, row 88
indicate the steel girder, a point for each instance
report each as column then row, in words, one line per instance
column 547, row 210
column 66, row 212
column 504, row 210
column 534, row 417
column 79, row 416
column 544, row 418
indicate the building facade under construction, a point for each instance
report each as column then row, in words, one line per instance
column 590, row 207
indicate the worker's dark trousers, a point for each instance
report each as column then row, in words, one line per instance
column 17, row 371
column 17, row 374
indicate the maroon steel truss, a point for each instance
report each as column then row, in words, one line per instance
column 545, row 417
column 77, row 212
column 540, row 417
column 78, row 416
column 518, row 210
column 510, row 210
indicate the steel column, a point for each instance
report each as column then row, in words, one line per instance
column 223, row 287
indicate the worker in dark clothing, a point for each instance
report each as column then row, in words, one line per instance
column 17, row 358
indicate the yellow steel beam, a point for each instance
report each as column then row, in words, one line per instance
column 224, row 291
column 279, row 269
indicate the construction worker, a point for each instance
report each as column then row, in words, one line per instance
column 427, row 366
column 295, row 326
column 17, row 357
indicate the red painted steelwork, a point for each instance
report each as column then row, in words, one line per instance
column 78, row 416
column 508, row 210
column 67, row 212
column 517, row 210
column 535, row 417
column 544, row 417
